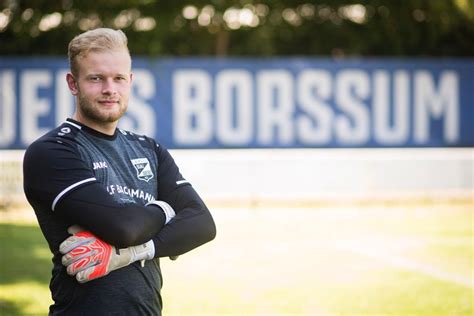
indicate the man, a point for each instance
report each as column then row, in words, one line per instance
column 120, row 195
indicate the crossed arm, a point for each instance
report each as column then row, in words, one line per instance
column 90, row 206
column 190, row 228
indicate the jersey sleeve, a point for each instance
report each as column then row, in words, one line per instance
column 57, row 180
column 193, row 224
column 51, row 170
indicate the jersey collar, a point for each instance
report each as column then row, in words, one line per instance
column 91, row 131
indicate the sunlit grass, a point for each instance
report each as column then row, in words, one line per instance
column 299, row 262
column 24, row 270
column 289, row 262
column 25, row 298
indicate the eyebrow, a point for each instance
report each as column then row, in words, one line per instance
column 103, row 75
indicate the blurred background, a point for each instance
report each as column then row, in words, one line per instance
column 332, row 140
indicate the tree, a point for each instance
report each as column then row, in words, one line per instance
column 246, row 28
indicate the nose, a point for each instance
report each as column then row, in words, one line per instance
column 108, row 87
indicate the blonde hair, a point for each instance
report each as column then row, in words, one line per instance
column 101, row 39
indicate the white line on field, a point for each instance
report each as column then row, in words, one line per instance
column 408, row 264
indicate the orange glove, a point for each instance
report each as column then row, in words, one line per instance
column 88, row 257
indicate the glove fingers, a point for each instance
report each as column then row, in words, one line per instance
column 83, row 276
column 81, row 264
column 92, row 273
column 73, row 242
column 77, row 254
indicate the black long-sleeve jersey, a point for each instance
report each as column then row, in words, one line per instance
column 76, row 175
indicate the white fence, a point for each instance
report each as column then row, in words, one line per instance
column 305, row 176
column 308, row 176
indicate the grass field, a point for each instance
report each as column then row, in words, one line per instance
column 386, row 260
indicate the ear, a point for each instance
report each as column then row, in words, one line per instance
column 72, row 84
column 131, row 77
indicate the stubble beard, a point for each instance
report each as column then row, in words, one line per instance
column 94, row 113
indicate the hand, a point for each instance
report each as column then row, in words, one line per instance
column 88, row 257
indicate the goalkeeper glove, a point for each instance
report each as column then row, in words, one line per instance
column 88, row 258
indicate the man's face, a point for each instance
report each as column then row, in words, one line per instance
column 102, row 86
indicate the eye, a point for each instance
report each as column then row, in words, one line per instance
column 94, row 78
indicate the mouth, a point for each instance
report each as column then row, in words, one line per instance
column 108, row 102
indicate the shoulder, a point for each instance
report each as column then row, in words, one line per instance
column 59, row 138
column 142, row 140
column 67, row 131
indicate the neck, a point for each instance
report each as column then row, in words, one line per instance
column 104, row 128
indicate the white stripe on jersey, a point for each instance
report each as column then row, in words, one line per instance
column 73, row 124
column 181, row 182
column 69, row 188
column 166, row 208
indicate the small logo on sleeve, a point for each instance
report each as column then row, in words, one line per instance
column 64, row 131
column 99, row 165
column 142, row 165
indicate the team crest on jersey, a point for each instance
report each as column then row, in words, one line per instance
column 142, row 165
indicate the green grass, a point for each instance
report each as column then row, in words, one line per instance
column 25, row 266
column 290, row 262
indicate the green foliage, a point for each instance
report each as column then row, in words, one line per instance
column 245, row 27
